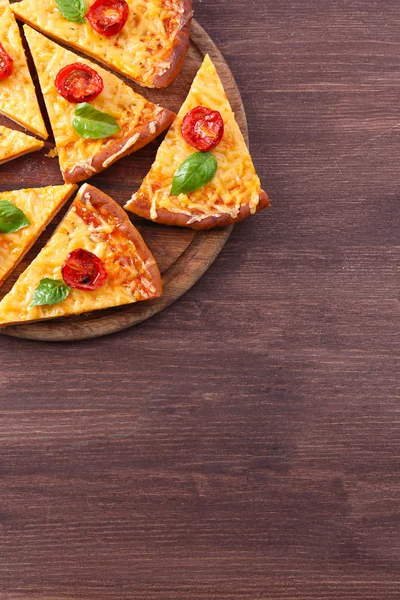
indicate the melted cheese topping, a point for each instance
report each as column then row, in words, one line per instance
column 39, row 205
column 129, row 278
column 236, row 183
column 141, row 51
column 17, row 93
column 14, row 143
column 131, row 110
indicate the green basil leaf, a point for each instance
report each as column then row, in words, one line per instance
column 93, row 124
column 12, row 218
column 72, row 10
column 50, row 291
column 197, row 170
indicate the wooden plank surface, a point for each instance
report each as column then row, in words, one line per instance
column 243, row 444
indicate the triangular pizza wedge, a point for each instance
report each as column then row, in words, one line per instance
column 18, row 99
column 138, row 120
column 95, row 259
column 38, row 206
column 210, row 181
column 14, row 144
column 150, row 48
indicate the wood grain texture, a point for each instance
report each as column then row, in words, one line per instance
column 244, row 443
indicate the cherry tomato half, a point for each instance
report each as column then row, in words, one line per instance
column 203, row 128
column 78, row 83
column 84, row 270
column 108, row 17
column 6, row 63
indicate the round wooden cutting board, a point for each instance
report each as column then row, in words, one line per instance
column 183, row 255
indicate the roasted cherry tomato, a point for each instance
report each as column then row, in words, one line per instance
column 78, row 83
column 6, row 63
column 83, row 270
column 203, row 128
column 108, row 17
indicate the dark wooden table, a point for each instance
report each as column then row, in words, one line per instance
column 244, row 444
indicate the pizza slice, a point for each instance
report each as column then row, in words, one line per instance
column 17, row 93
column 203, row 175
column 14, row 144
column 146, row 40
column 96, row 118
column 24, row 214
column 96, row 259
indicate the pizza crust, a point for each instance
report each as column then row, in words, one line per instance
column 142, row 207
column 179, row 48
column 104, row 204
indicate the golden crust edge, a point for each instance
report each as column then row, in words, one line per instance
column 141, row 208
column 100, row 199
column 179, row 49
column 161, row 122
column 39, row 233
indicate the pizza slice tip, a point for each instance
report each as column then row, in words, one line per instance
column 18, row 99
column 24, row 214
column 14, row 144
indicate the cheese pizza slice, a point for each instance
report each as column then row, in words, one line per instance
column 96, row 259
column 96, row 118
column 23, row 216
column 145, row 40
column 203, row 175
column 17, row 93
column 14, row 144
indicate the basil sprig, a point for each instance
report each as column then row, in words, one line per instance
column 50, row 291
column 93, row 124
column 197, row 170
column 72, row 10
column 12, row 218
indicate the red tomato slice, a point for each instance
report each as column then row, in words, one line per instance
column 6, row 63
column 84, row 270
column 203, row 128
column 108, row 17
column 78, row 83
